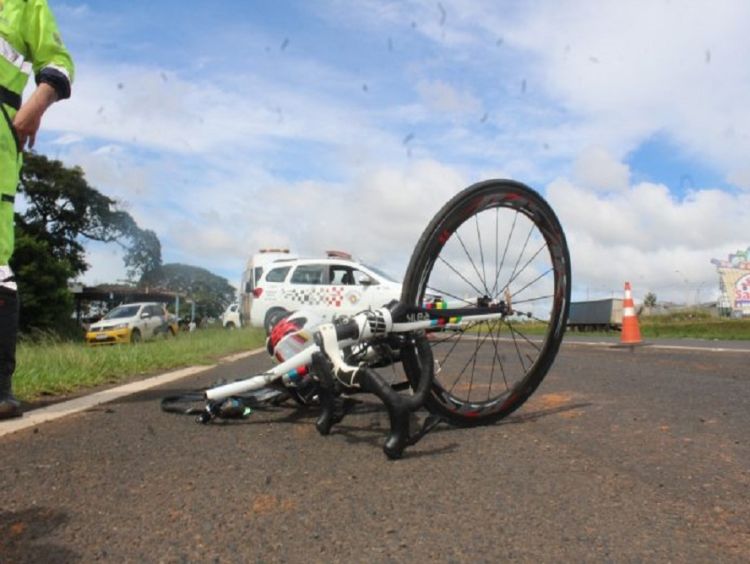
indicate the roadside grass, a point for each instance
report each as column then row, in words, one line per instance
column 50, row 367
column 681, row 326
column 690, row 324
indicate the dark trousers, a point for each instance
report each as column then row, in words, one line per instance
column 8, row 337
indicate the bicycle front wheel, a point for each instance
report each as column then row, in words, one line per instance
column 496, row 241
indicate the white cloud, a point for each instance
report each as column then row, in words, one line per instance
column 740, row 178
column 378, row 217
column 597, row 170
column 440, row 96
column 647, row 236
column 106, row 264
column 293, row 151
column 648, row 66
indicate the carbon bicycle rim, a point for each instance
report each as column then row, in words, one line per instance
column 497, row 240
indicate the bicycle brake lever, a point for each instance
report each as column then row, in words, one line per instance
column 328, row 343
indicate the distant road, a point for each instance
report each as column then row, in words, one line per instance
column 698, row 344
column 621, row 455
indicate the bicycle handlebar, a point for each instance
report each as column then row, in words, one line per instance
column 347, row 331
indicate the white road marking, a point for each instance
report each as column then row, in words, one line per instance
column 63, row 409
column 655, row 346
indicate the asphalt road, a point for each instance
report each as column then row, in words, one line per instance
column 621, row 455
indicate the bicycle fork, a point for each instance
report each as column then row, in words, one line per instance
column 332, row 372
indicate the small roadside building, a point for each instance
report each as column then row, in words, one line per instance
column 104, row 297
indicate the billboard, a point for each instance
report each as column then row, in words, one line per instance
column 734, row 280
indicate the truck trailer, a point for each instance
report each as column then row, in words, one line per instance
column 596, row 315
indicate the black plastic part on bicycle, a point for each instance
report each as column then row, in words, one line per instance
column 399, row 406
column 181, row 403
column 328, row 417
column 502, row 361
column 347, row 330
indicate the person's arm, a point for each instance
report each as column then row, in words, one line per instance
column 53, row 69
column 29, row 117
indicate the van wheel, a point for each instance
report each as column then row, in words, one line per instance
column 229, row 326
column 135, row 336
column 273, row 317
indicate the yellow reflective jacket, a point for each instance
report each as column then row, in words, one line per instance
column 30, row 41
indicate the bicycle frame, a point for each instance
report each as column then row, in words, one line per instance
column 326, row 357
column 358, row 329
column 495, row 240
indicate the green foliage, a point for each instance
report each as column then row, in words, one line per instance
column 63, row 211
column 649, row 300
column 211, row 293
column 42, row 283
column 688, row 315
column 144, row 256
column 699, row 326
column 50, row 366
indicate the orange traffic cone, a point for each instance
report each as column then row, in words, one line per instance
column 631, row 334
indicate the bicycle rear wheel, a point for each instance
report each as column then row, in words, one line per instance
column 497, row 240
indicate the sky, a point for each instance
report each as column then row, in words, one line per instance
column 229, row 126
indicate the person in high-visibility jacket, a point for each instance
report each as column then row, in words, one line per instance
column 29, row 42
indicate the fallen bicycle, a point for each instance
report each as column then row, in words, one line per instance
column 481, row 317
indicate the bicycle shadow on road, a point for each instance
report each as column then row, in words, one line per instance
column 357, row 428
column 532, row 416
column 374, row 431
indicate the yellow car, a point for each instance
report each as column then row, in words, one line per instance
column 132, row 323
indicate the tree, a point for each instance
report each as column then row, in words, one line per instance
column 46, row 302
column 62, row 212
column 649, row 300
column 144, row 255
column 211, row 293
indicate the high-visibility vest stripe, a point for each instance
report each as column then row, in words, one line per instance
column 9, row 53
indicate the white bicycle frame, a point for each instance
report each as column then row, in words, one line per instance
column 332, row 348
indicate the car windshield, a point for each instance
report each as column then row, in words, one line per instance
column 122, row 312
column 383, row 274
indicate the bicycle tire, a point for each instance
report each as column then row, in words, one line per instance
column 538, row 284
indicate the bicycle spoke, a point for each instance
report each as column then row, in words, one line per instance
column 477, row 290
column 526, row 267
column 515, row 344
column 522, row 271
column 496, row 357
column 525, row 338
column 471, row 359
column 518, row 260
column 505, row 250
column 538, row 298
column 442, row 293
column 473, row 265
column 497, row 249
column 481, row 254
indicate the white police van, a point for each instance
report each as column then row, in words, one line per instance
column 330, row 287
column 231, row 318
